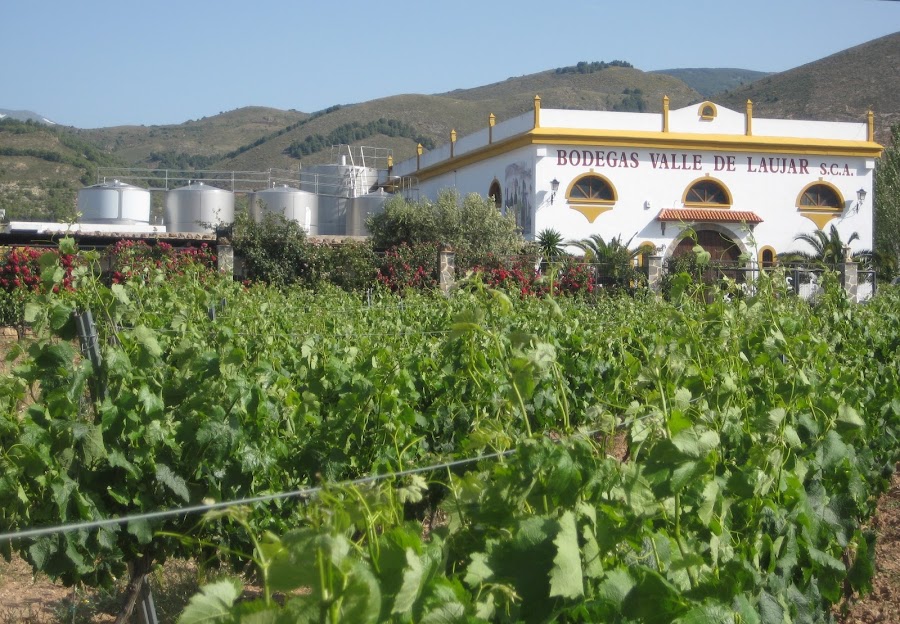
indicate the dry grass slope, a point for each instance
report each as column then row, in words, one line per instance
column 467, row 110
column 840, row 87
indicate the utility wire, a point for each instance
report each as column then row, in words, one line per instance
column 183, row 511
column 302, row 493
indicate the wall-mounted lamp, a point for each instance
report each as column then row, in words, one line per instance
column 554, row 186
column 860, row 198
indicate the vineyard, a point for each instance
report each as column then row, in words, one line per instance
column 486, row 456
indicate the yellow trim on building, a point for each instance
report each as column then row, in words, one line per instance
column 837, row 191
column 537, row 111
column 665, row 127
column 764, row 248
column 591, row 208
column 708, row 111
column 748, row 119
column 582, row 200
column 821, row 219
column 651, row 249
column 657, row 140
column 707, row 142
column 590, row 212
column 870, row 124
column 492, row 121
column 820, row 215
column 707, row 178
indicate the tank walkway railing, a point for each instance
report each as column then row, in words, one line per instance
column 166, row 179
column 352, row 183
column 362, row 156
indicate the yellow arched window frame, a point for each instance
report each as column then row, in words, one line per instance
column 591, row 194
column 820, row 202
column 707, row 192
column 708, row 111
column 767, row 256
column 646, row 249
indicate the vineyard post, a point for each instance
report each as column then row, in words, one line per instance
column 87, row 335
column 148, row 607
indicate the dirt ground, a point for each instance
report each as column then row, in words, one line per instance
column 883, row 604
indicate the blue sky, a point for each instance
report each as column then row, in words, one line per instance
column 102, row 63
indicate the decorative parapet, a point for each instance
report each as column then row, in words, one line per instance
column 749, row 119
column 665, row 127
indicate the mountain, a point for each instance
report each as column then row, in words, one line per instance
column 42, row 166
column 710, row 81
column 840, row 87
column 24, row 115
column 428, row 119
column 208, row 136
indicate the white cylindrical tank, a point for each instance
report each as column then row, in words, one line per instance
column 291, row 203
column 114, row 202
column 198, row 208
column 361, row 208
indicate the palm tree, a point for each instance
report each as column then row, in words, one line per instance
column 615, row 258
column 827, row 248
column 550, row 244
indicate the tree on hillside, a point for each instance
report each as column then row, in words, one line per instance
column 887, row 207
column 471, row 225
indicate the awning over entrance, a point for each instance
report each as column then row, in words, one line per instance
column 705, row 215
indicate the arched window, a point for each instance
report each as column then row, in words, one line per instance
column 821, row 196
column 591, row 188
column 708, row 111
column 766, row 257
column 496, row 194
column 820, row 202
column 591, row 194
column 707, row 193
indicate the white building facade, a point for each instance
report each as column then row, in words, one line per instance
column 743, row 185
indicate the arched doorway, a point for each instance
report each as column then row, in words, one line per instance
column 724, row 251
column 721, row 247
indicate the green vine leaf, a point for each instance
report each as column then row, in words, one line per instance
column 213, row 604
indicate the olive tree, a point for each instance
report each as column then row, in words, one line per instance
column 471, row 225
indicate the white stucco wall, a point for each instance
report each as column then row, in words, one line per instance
column 648, row 180
column 648, row 184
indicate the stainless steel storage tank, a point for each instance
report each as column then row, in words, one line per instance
column 336, row 186
column 291, row 203
column 361, row 208
column 114, row 202
column 198, row 208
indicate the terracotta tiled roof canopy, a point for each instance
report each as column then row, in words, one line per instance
column 708, row 215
